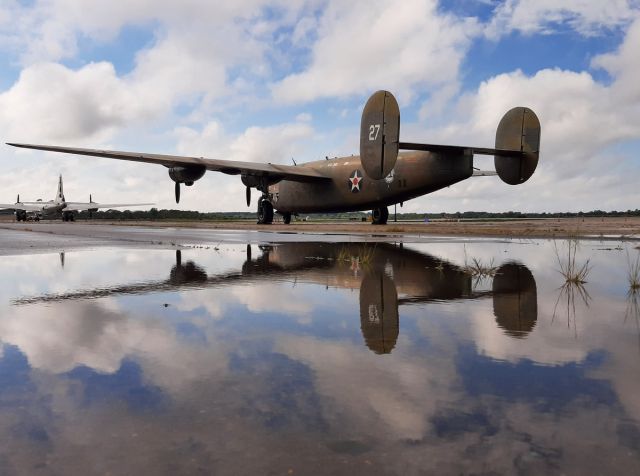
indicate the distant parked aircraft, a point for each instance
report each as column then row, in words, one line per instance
column 58, row 206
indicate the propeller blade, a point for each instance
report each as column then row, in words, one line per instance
column 18, row 199
column 248, row 194
column 248, row 252
column 90, row 199
column 178, row 258
column 177, row 192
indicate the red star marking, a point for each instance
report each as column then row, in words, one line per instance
column 355, row 181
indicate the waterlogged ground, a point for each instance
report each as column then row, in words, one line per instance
column 302, row 358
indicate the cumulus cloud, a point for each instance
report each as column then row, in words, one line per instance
column 275, row 144
column 196, row 49
column 544, row 16
column 581, row 119
column 53, row 103
column 365, row 46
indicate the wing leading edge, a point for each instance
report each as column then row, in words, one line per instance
column 79, row 206
column 21, row 206
column 230, row 167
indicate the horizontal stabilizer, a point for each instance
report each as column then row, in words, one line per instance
column 484, row 173
column 460, row 150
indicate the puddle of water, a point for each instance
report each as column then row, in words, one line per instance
column 320, row 357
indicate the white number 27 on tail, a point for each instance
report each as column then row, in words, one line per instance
column 374, row 129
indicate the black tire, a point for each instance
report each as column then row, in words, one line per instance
column 380, row 216
column 265, row 212
column 286, row 218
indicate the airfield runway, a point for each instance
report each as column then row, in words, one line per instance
column 17, row 238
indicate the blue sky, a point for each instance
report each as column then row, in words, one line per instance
column 267, row 81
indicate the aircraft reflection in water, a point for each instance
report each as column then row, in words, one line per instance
column 387, row 276
column 390, row 276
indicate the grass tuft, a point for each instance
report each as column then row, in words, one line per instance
column 633, row 272
column 476, row 268
column 364, row 255
column 570, row 269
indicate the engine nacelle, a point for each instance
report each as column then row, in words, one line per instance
column 187, row 174
column 251, row 180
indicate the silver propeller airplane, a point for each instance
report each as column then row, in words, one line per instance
column 58, row 206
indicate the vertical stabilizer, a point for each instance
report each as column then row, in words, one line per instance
column 60, row 195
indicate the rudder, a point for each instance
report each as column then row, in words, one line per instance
column 519, row 129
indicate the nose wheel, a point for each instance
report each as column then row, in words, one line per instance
column 380, row 216
column 265, row 212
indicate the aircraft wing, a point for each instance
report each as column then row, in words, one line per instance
column 21, row 206
column 230, row 167
column 78, row 206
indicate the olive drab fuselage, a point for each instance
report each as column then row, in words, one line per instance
column 350, row 189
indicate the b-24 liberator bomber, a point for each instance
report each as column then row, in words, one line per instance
column 58, row 206
column 380, row 176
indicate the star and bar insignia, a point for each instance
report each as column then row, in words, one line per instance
column 355, row 181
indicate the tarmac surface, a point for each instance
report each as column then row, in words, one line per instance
column 20, row 238
column 47, row 237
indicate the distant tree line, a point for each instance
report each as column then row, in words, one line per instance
column 163, row 214
column 155, row 214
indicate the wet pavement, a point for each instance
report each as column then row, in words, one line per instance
column 257, row 353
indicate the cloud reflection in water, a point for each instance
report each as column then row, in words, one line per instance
column 308, row 356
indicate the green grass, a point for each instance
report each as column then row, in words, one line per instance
column 364, row 255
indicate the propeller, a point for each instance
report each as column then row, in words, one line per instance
column 18, row 199
column 90, row 212
column 248, row 194
column 177, row 192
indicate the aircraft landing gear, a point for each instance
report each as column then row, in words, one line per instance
column 286, row 218
column 380, row 216
column 68, row 216
column 265, row 212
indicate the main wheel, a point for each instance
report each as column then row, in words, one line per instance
column 286, row 218
column 380, row 216
column 265, row 212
